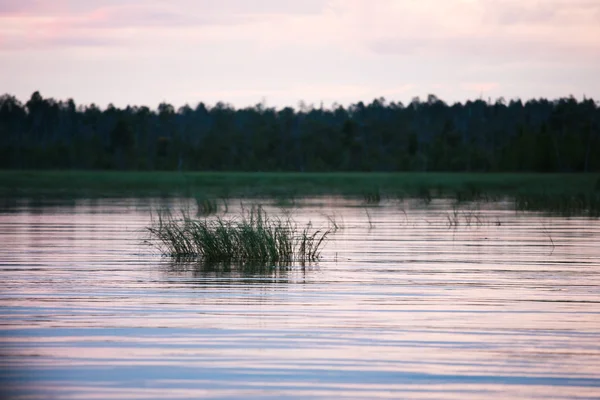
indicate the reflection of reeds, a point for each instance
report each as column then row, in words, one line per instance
column 252, row 238
column 369, row 219
column 227, row 269
column 468, row 218
column 334, row 224
column 454, row 218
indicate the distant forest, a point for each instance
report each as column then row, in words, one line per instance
column 426, row 135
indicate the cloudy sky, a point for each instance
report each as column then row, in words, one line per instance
column 244, row 52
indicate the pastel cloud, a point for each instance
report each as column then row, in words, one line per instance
column 485, row 28
column 8, row 7
column 233, row 50
column 32, row 23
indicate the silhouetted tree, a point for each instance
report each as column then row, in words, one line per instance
column 538, row 135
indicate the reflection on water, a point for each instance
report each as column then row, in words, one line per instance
column 408, row 302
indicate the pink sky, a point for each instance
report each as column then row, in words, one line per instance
column 281, row 51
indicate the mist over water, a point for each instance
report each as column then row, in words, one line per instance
column 410, row 301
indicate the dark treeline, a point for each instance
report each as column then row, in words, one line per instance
column 539, row 135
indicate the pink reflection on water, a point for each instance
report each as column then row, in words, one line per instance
column 402, row 306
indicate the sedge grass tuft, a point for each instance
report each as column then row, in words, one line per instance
column 253, row 237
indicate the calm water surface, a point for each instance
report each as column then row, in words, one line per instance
column 405, row 304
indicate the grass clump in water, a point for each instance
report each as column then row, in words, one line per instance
column 581, row 204
column 252, row 238
column 372, row 197
column 206, row 206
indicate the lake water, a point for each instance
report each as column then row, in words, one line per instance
column 409, row 301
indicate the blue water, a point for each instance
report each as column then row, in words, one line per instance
column 409, row 301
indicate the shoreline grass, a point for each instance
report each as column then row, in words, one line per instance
column 566, row 205
column 370, row 187
column 566, row 194
column 252, row 238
